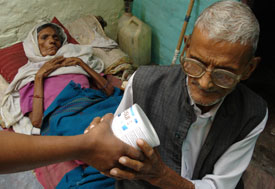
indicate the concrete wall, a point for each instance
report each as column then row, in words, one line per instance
column 17, row 17
column 166, row 19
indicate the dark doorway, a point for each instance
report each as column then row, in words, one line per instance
column 262, row 81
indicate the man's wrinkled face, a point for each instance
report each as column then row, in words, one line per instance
column 214, row 54
column 48, row 41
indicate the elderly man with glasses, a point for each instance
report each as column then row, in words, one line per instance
column 207, row 121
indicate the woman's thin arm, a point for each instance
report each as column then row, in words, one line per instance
column 38, row 102
column 101, row 82
column 38, row 95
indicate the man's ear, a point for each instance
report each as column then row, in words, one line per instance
column 251, row 67
column 186, row 37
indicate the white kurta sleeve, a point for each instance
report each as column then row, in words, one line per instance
column 127, row 99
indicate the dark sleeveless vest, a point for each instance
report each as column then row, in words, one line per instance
column 162, row 94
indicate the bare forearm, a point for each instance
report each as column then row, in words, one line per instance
column 38, row 102
column 172, row 180
column 101, row 82
column 23, row 152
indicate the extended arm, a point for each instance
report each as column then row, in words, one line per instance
column 23, row 152
column 98, row 147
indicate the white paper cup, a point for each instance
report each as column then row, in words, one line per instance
column 133, row 124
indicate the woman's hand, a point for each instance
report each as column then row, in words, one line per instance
column 72, row 61
column 50, row 66
column 56, row 63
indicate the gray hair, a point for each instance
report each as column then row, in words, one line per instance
column 230, row 21
column 59, row 31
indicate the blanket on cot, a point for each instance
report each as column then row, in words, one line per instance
column 70, row 114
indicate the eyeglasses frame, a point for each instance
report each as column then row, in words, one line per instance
column 205, row 69
column 182, row 57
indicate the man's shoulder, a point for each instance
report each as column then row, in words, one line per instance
column 158, row 72
column 244, row 100
column 156, row 78
column 248, row 94
column 158, row 68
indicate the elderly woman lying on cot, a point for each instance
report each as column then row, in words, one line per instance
column 52, row 92
column 54, row 64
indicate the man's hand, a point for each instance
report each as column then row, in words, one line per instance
column 103, row 148
column 152, row 169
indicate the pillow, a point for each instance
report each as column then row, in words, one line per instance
column 13, row 57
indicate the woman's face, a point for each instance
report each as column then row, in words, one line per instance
column 48, row 41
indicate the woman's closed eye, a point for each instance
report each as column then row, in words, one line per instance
column 44, row 37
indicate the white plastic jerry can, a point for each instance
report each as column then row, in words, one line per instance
column 134, row 38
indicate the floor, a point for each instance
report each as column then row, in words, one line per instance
column 23, row 180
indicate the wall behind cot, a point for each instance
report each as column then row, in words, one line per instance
column 17, row 17
column 166, row 19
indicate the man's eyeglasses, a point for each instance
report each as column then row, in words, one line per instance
column 220, row 77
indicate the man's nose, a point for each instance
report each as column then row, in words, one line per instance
column 206, row 81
